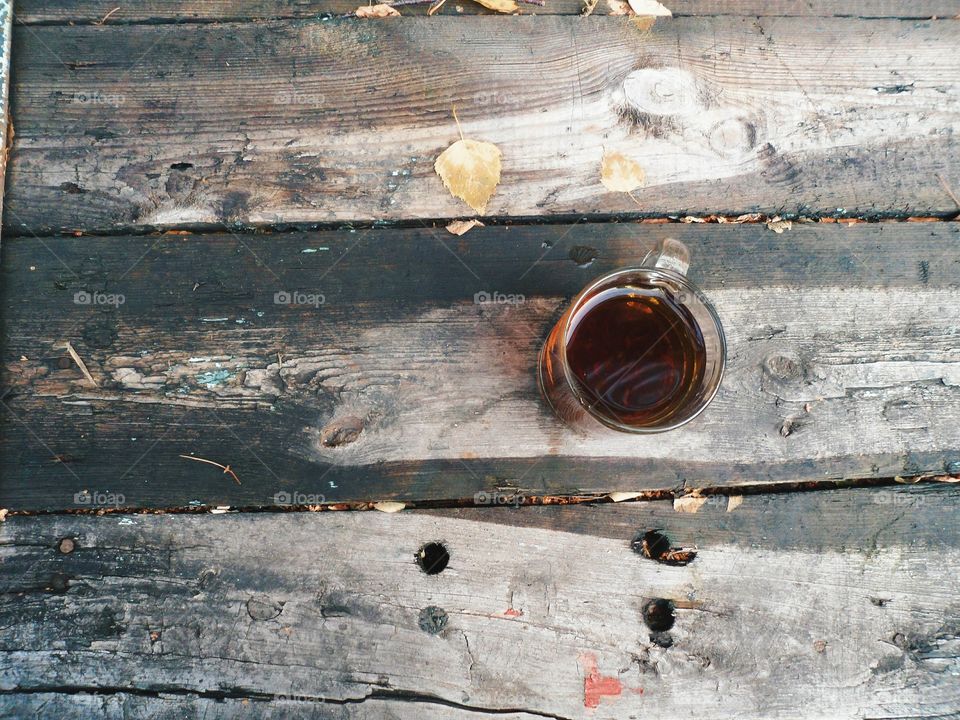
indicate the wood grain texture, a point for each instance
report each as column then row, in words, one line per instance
column 842, row 363
column 298, row 121
column 331, row 612
column 88, row 11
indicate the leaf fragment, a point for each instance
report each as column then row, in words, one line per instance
column 688, row 503
column 733, row 502
column 620, row 174
column 649, row 8
column 470, row 169
column 620, row 496
column 619, row 7
column 462, row 227
column 778, row 225
column 381, row 10
column 389, row 506
column 502, row 6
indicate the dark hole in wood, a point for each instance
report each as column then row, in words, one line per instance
column 654, row 544
column 662, row 639
column 659, row 614
column 433, row 619
column 433, row 558
column 181, row 166
column 66, row 545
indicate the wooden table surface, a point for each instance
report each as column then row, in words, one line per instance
column 175, row 168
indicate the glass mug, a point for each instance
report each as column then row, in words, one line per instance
column 639, row 350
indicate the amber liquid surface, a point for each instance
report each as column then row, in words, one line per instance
column 637, row 355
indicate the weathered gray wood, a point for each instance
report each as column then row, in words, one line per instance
column 842, row 363
column 331, row 608
column 124, row 706
column 327, row 121
column 86, row 11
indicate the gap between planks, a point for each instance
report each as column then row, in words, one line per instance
column 523, row 499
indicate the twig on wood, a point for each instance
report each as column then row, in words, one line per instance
column 948, row 191
column 106, row 17
column 80, row 364
column 226, row 468
column 435, row 7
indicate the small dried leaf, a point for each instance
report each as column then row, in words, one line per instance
column 502, row 6
column 778, row 225
column 461, row 227
column 389, row 507
column 619, row 7
column 3, row 514
column 588, row 7
column 688, row 503
column 377, row 11
column 649, row 8
column 620, row 174
column 677, row 557
column 692, row 219
column 620, row 496
column 733, row 502
column 471, row 171
column 748, row 218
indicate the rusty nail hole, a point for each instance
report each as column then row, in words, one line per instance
column 654, row 544
column 433, row 619
column 659, row 614
column 433, row 558
column 66, row 545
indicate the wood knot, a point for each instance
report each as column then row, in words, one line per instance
column 783, row 367
column 262, row 607
column 433, row 620
column 341, row 431
column 663, row 91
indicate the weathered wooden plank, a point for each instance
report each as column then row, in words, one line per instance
column 842, row 363
column 87, row 11
column 332, row 608
column 299, row 121
column 125, row 706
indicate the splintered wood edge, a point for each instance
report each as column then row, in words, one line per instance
column 6, row 130
column 186, row 11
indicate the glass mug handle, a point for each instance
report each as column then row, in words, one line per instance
column 670, row 254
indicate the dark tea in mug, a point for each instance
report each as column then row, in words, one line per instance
column 639, row 350
column 637, row 353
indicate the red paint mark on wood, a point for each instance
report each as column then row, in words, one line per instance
column 595, row 685
column 510, row 612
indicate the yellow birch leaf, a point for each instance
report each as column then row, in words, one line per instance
column 470, row 169
column 503, row 6
column 620, row 174
column 377, row 11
